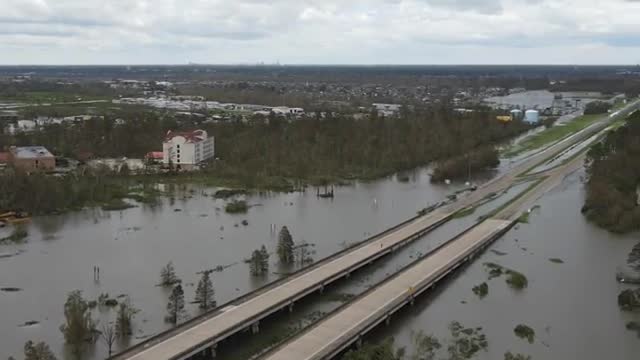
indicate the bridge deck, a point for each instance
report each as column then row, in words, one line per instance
column 228, row 320
column 338, row 330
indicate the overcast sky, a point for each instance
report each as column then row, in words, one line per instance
column 320, row 31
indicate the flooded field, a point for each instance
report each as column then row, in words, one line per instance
column 192, row 230
column 571, row 305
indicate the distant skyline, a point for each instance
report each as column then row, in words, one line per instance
column 367, row 32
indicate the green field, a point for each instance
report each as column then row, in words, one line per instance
column 553, row 134
column 37, row 97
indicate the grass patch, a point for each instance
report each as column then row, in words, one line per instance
column 481, row 290
column 236, row 207
column 525, row 332
column 339, row 297
column 556, row 261
column 228, row 193
column 515, row 279
column 464, row 213
column 117, row 205
column 524, row 218
column 553, row 134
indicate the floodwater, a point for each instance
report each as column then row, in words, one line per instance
column 571, row 306
column 193, row 231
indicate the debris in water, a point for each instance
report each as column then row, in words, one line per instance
column 177, row 210
column 245, row 222
column 10, row 289
column 499, row 253
column 30, row 323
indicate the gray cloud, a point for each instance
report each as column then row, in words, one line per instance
column 336, row 31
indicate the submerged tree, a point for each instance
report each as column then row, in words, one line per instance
column 168, row 275
column 124, row 319
column 264, row 260
column 109, row 337
column 79, row 327
column 39, row 351
column 302, row 255
column 205, row 292
column 175, row 306
column 259, row 262
column 285, row 246
column 511, row 356
column 425, row 346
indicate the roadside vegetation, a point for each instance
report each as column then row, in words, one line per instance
column 613, row 182
column 553, row 134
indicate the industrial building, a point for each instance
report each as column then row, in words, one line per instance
column 185, row 150
column 31, row 158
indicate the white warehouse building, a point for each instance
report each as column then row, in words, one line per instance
column 185, row 150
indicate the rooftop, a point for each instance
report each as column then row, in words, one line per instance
column 191, row 136
column 30, row 152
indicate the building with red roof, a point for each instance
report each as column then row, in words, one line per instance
column 186, row 149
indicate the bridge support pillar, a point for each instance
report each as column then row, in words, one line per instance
column 321, row 290
column 387, row 321
column 210, row 353
column 347, row 275
column 290, row 307
column 359, row 343
column 255, row 327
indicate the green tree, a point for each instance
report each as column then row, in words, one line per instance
column 510, row 356
column 124, row 319
column 285, row 246
column 175, row 306
column 79, row 327
column 381, row 351
column 465, row 342
column 168, row 275
column 302, row 254
column 204, row 292
column 257, row 264
column 425, row 346
column 264, row 260
column 39, row 351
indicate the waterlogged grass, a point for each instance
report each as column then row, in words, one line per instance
column 117, row 205
column 236, row 207
column 464, row 213
column 525, row 332
column 553, row 134
column 516, row 280
column 481, row 290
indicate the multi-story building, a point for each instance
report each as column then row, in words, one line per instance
column 185, row 150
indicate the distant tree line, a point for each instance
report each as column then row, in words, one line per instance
column 612, row 199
